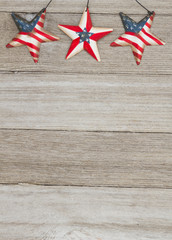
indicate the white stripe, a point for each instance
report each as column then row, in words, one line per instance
column 28, row 39
column 41, row 20
column 33, row 50
column 72, row 34
column 124, row 43
column 133, row 39
column 138, row 51
column 150, row 21
column 93, row 45
column 83, row 21
column 121, row 42
column 145, row 28
column 100, row 30
column 137, row 59
column 148, row 39
column 38, row 27
column 41, row 37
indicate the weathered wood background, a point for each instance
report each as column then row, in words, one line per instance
column 85, row 147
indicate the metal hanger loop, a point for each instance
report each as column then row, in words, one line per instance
column 49, row 3
column 88, row 4
column 144, row 7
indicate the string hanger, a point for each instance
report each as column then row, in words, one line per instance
column 88, row 4
column 49, row 3
column 144, row 7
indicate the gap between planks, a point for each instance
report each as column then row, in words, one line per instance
column 20, row 72
column 81, row 186
column 79, row 131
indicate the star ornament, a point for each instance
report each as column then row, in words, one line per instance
column 31, row 34
column 137, row 35
column 84, row 36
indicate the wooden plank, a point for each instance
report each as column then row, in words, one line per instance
column 156, row 60
column 67, row 213
column 86, row 102
column 96, row 6
column 86, row 158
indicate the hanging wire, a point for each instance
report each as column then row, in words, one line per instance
column 49, row 3
column 88, row 4
column 143, row 7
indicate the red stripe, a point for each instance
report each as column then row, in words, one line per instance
column 143, row 40
column 9, row 46
column 88, row 48
column 89, row 23
column 34, row 55
column 153, row 38
column 114, row 44
column 24, row 33
column 26, row 43
column 138, row 35
column 98, row 36
column 73, row 28
column 43, row 16
column 137, row 55
column 45, row 35
column 40, row 24
column 132, row 43
column 74, row 44
column 148, row 25
column 35, row 37
column 131, row 33
column 152, row 16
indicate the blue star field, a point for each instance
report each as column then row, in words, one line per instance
column 84, row 36
column 131, row 26
column 24, row 25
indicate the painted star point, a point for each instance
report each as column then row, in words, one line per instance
column 84, row 36
column 137, row 35
column 31, row 34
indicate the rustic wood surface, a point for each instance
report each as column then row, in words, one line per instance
column 86, row 102
column 96, row 6
column 86, row 159
column 81, row 123
column 65, row 213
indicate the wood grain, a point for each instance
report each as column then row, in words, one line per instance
column 83, row 123
column 156, row 60
column 39, row 213
column 86, row 159
column 86, row 102
column 96, row 6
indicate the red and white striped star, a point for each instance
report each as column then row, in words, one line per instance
column 34, row 38
column 84, row 36
column 138, row 41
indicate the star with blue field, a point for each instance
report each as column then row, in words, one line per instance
column 84, row 36
column 23, row 25
column 137, row 35
column 31, row 34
